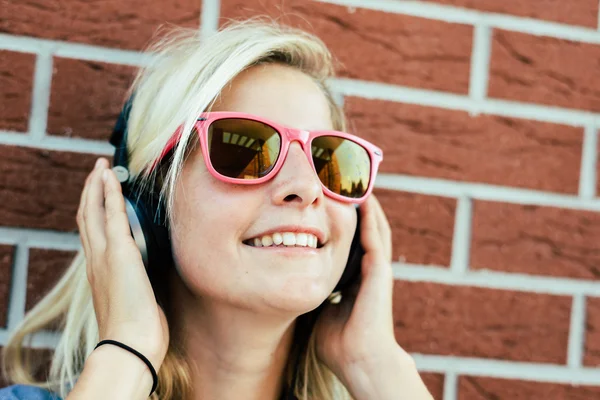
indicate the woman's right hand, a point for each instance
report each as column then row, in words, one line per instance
column 124, row 302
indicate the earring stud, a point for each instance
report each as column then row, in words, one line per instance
column 335, row 297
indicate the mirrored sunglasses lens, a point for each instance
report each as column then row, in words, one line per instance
column 343, row 166
column 242, row 148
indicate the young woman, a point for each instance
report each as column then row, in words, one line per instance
column 260, row 185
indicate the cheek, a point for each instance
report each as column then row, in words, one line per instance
column 207, row 263
column 202, row 239
column 207, row 218
column 343, row 228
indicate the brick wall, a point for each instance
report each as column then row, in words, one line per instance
column 488, row 112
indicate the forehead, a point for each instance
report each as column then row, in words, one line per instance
column 280, row 93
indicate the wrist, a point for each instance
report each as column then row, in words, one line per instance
column 373, row 359
column 125, row 368
column 387, row 375
column 153, row 351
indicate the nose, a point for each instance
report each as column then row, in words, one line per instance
column 297, row 181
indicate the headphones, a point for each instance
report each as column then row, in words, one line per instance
column 146, row 214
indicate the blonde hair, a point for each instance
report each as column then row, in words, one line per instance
column 184, row 77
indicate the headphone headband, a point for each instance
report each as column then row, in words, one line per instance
column 119, row 136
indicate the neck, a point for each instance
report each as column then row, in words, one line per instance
column 233, row 352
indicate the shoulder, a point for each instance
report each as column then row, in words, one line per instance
column 26, row 392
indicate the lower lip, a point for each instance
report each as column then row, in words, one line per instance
column 287, row 250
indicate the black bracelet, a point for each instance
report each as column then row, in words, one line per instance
column 137, row 353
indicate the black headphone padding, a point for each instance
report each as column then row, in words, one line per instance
column 146, row 213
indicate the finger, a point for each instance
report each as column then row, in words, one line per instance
column 383, row 261
column 377, row 279
column 94, row 212
column 370, row 233
column 116, row 224
column 81, row 218
column 384, row 229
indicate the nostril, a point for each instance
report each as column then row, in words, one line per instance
column 290, row 197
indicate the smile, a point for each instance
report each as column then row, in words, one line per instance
column 285, row 239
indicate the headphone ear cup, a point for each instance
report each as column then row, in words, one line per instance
column 150, row 235
column 137, row 220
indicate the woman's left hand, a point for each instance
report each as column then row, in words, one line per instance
column 355, row 338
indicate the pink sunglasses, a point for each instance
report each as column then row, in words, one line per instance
column 247, row 149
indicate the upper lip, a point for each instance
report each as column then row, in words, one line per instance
column 295, row 229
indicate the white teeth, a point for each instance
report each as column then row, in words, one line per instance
column 301, row 239
column 287, row 239
column 277, row 238
column 267, row 240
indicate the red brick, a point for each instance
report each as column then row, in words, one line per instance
column 592, row 339
column 87, row 97
column 544, row 70
column 435, row 384
column 580, row 12
column 479, row 388
column 41, row 188
column 422, row 226
column 535, row 240
column 46, row 267
column 16, row 81
column 433, row 142
column 6, row 263
column 374, row 45
column 476, row 322
column 41, row 359
column 598, row 170
column 112, row 23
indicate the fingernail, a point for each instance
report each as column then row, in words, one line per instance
column 105, row 175
column 98, row 163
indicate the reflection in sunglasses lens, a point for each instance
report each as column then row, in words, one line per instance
column 242, row 148
column 343, row 166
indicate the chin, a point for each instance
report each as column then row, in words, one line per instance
column 299, row 300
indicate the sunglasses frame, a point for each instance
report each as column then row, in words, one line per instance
column 288, row 135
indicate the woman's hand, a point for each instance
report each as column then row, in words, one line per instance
column 124, row 301
column 355, row 338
